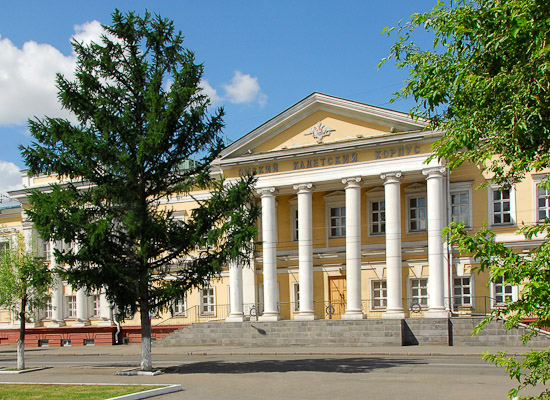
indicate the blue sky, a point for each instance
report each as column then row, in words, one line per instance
column 260, row 57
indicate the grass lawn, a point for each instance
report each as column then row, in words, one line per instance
column 68, row 392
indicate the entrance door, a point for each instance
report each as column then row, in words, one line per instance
column 337, row 293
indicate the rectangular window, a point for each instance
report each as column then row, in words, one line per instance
column 419, row 292
column 207, row 301
column 338, row 222
column 48, row 311
column 460, row 207
column 379, row 295
column 501, row 207
column 46, row 249
column 71, row 306
column 96, row 305
column 502, row 292
column 462, row 292
column 295, row 224
column 543, row 204
column 296, row 296
column 4, row 247
column 378, row 217
column 417, row 213
column 180, row 307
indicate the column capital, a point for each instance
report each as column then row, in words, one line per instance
column 434, row 172
column 352, row 182
column 304, row 187
column 391, row 177
column 267, row 191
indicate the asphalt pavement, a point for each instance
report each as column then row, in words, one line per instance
column 211, row 372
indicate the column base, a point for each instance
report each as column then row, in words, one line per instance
column 81, row 322
column 436, row 314
column 269, row 317
column 306, row 316
column 56, row 324
column 394, row 314
column 235, row 318
column 350, row 315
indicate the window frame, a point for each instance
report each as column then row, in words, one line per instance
column 462, row 286
column 295, row 296
column 71, row 304
column 459, row 188
column 491, row 202
column 334, row 200
column 513, row 293
column 208, row 313
column 408, row 199
column 536, row 182
column 411, row 289
column 293, row 219
column 382, row 299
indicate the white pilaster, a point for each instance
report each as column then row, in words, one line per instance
column 392, row 190
column 353, row 248
column 235, row 293
column 436, row 284
column 305, row 251
column 269, row 247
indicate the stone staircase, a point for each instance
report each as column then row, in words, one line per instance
column 368, row 332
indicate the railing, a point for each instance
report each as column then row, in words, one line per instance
column 413, row 308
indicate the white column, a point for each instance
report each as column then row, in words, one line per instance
column 81, row 308
column 105, row 311
column 235, row 293
column 436, row 280
column 58, row 298
column 269, row 247
column 305, row 251
column 392, row 190
column 353, row 248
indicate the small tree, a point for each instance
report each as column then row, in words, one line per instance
column 485, row 83
column 143, row 135
column 24, row 283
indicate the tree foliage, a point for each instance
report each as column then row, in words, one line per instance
column 484, row 82
column 143, row 136
column 24, row 283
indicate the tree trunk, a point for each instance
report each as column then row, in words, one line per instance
column 21, row 341
column 146, row 359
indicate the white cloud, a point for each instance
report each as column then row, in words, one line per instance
column 208, row 90
column 27, row 76
column 11, row 177
column 244, row 89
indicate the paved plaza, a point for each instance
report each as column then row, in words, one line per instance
column 435, row 372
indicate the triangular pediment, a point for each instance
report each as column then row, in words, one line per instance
column 320, row 120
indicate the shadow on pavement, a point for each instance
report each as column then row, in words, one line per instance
column 354, row 365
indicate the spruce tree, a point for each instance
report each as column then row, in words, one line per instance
column 143, row 135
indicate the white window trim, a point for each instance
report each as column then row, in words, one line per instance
column 372, row 197
column 409, row 291
column 180, row 314
column 490, row 191
column 494, row 304
column 472, row 290
column 463, row 187
column 536, row 181
column 333, row 200
column 294, row 298
column 372, row 298
column 208, row 313
column 407, row 210
column 69, row 308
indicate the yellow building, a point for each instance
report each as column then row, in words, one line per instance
column 352, row 216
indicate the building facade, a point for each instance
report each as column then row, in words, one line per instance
column 353, row 210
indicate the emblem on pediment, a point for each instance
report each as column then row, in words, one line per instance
column 319, row 131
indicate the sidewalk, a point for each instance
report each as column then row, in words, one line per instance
column 135, row 350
